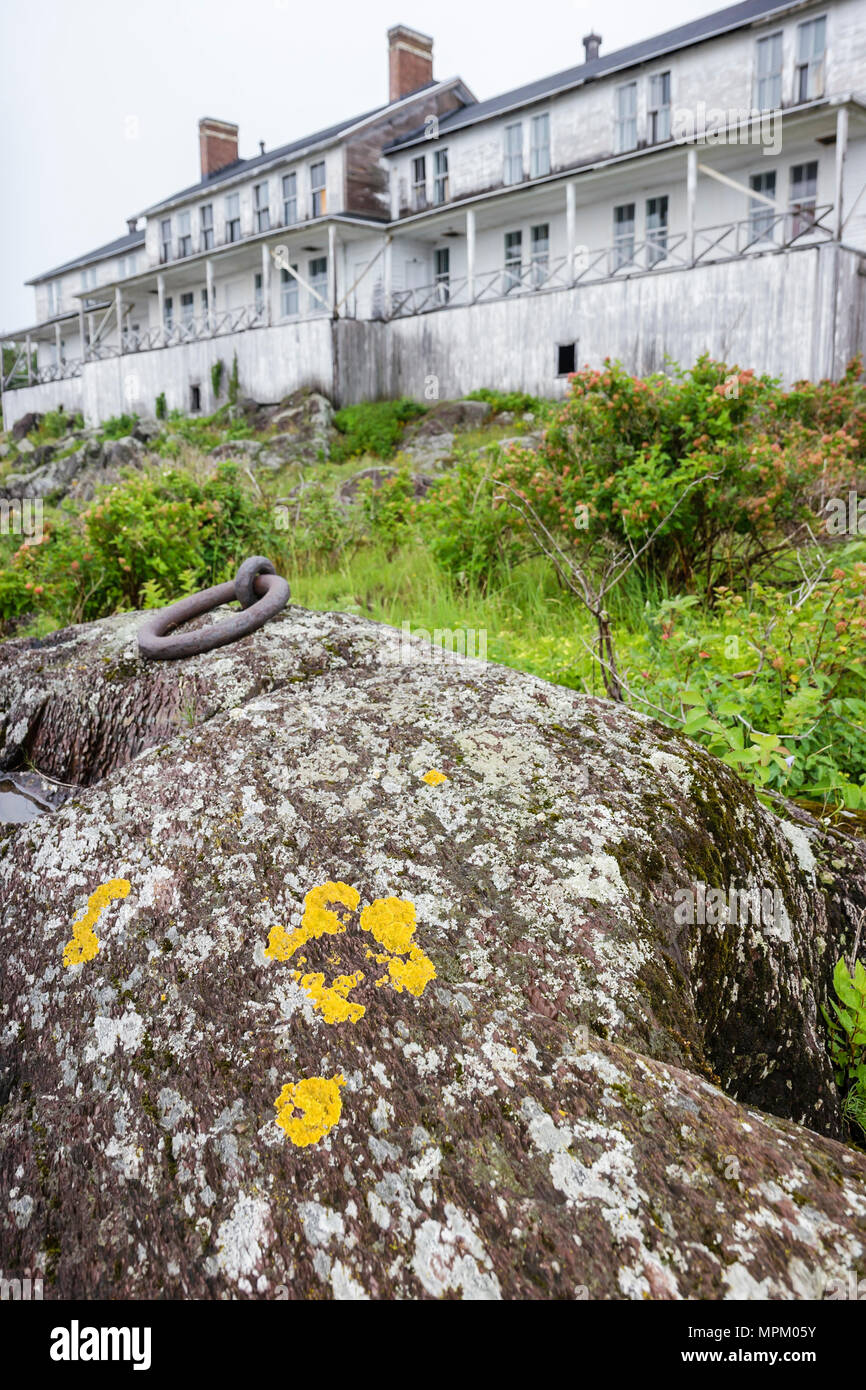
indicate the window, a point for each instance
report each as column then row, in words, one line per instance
column 656, row 229
column 623, row 235
column 288, row 292
column 768, row 85
column 184, row 237
column 53, row 293
column 317, row 189
column 626, row 118
column 206, row 224
column 195, row 399
column 233, row 217
column 442, row 271
column 761, row 217
column 187, row 307
column 441, row 191
column 539, row 151
column 259, row 290
column 419, row 183
column 804, row 190
column 513, row 259
column 513, row 171
column 204, row 301
column 539, row 239
column 168, row 312
column 318, row 277
column 165, row 241
column 566, row 359
column 290, row 199
column 127, row 265
column 659, row 107
column 811, row 44
column 262, row 208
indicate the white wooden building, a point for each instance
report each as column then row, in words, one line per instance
column 699, row 191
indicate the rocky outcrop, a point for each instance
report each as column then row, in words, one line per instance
column 350, row 971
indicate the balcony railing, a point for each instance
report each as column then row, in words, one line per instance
column 764, row 231
column 192, row 330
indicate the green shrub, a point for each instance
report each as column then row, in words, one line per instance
column 518, row 402
column 161, row 407
column 118, row 426
column 373, row 427
column 234, row 382
column 216, row 377
column 848, row 1040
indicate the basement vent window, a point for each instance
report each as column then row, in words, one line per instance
column 566, row 359
column 195, row 399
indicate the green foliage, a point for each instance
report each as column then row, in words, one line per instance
column 119, row 426
column 467, row 536
column 216, row 377
column 389, row 509
column 518, row 402
column 374, row 427
column 234, row 382
column 147, row 541
column 847, row 1028
column 161, row 407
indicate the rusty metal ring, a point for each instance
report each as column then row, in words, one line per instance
column 261, row 592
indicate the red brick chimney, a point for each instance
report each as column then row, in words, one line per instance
column 218, row 144
column 410, row 61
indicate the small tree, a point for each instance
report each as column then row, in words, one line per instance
column 216, row 377
column 234, row 382
column 161, row 407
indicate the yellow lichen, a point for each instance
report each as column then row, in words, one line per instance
column 434, row 778
column 318, row 920
column 85, row 943
column 308, row 1109
column 413, row 974
column 331, row 1000
column 392, row 923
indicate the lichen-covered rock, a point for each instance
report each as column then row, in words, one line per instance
column 354, row 972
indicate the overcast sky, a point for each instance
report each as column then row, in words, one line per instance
column 100, row 99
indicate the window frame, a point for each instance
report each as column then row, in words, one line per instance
column 538, row 166
column 232, row 222
column 262, row 211
column 513, row 240
column 184, row 234
column 804, row 68
column 206, row 228
column 419, row 184
column 625, row 121
column 624, row 241
column 513, row 171
column 658, row 129
column 164, row 240
column 290, row 199
column 289, row 290
column 775, row 75
column 319, row 191
column 441, row 177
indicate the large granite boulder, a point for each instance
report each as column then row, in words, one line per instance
column 349, row 971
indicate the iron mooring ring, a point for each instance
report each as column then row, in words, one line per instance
column 257, row 586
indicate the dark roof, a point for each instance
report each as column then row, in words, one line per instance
column 734, row 17
column 113, row 248
column 244, row 166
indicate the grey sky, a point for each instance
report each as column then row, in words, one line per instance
column 100, row 99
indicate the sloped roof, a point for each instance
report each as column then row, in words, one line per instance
column 696, row 31
column 112, row 248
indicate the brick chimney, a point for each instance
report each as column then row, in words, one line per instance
column 410, row 61
column 591, row 44
column 217, row 143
